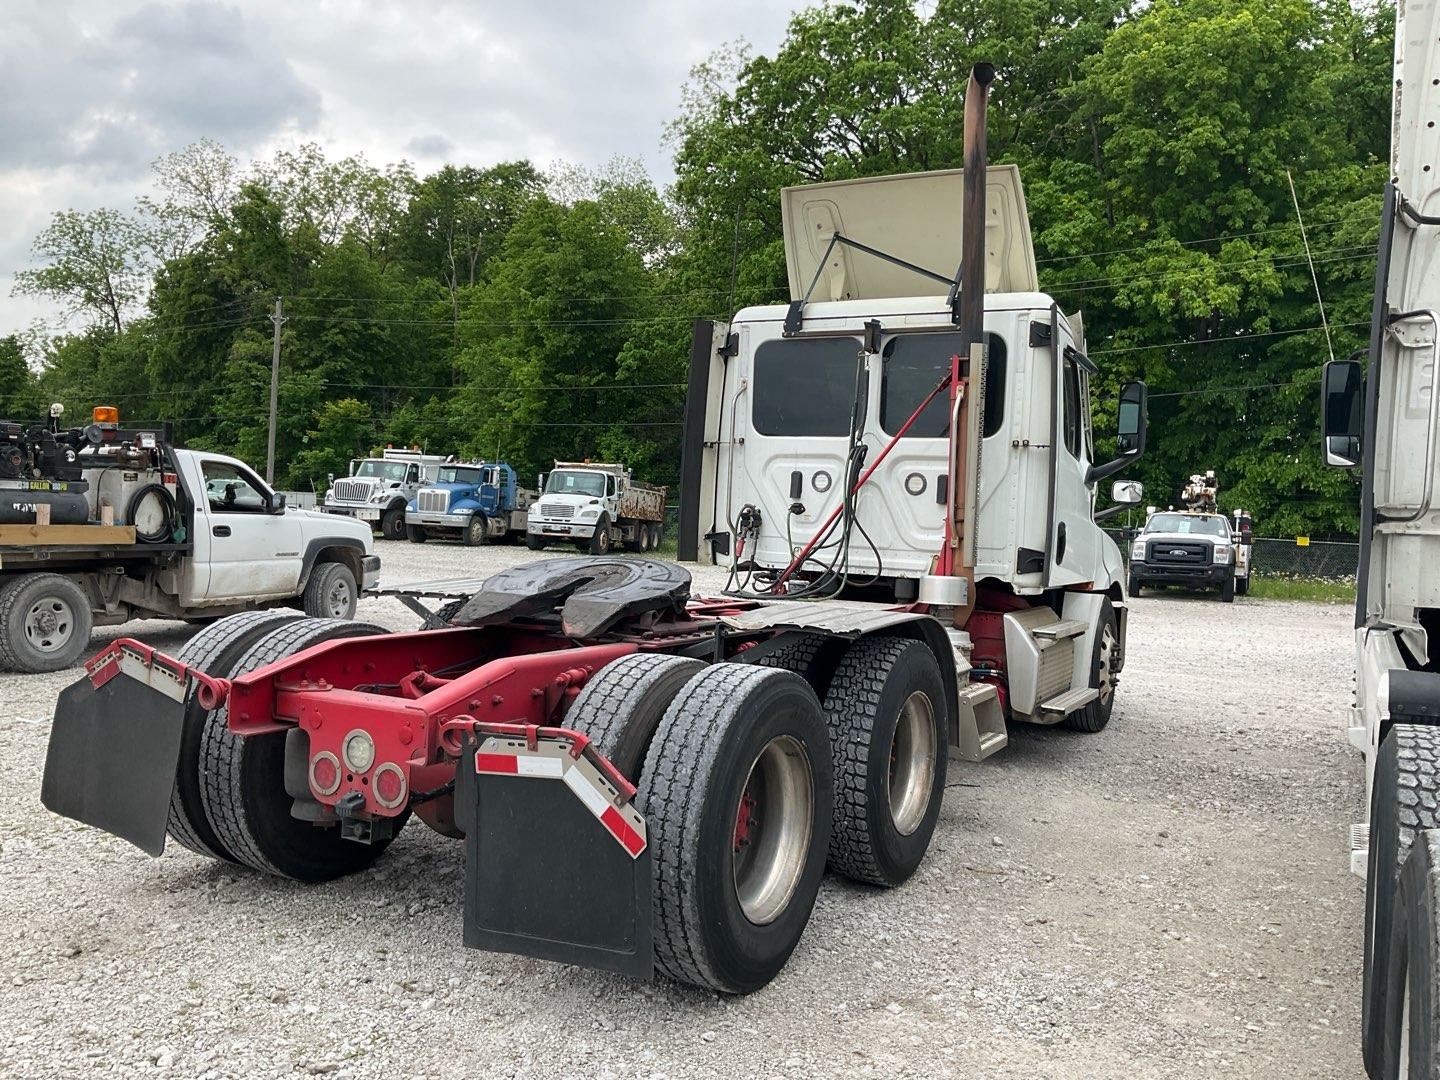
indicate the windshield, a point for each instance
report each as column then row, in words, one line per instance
column 451, row 475
column 1188, row 523
column 386, row 470
column 562, row 482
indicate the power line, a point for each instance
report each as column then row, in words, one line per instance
column 1191, row 243
column 1220, row 340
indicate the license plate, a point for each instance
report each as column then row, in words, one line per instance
column 369, row 515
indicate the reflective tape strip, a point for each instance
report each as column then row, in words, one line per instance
column 515, row 765
column 581, row 777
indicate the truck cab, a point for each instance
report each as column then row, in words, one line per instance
column 378, row 490
column 474, row 500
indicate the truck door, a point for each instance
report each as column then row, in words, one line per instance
column 1072, row 553
column 252, row 552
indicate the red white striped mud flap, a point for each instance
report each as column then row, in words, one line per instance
column 115, row 742
column 557, row 864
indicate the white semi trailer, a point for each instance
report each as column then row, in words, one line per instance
column 1384, row 422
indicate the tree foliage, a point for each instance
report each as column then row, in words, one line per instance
column 501, row 311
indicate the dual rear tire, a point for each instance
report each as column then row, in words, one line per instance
column 750, row 784
column 230, row 799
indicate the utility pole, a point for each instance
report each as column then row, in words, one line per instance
column 277, row 319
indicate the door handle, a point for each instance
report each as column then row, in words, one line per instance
column 220, row 530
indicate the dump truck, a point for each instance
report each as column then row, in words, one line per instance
column 596, row 506
column 378, row 489
column 474, row 502
column 645, row 779
column 104, row 524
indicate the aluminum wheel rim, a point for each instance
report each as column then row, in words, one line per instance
column 773, row 826
column 1107, row 658
column 339, row 598
column 49, row 624
column 912, row 763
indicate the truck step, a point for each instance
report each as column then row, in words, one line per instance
column 1360, row 848
column 1068, row 702
column 980, row 729
column 1059, row 631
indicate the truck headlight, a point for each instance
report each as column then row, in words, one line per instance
column 589, row 515
column 1137, row 549
column 1222, row 553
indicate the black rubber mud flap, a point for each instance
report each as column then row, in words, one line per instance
column 112, row 758
column 545, row 878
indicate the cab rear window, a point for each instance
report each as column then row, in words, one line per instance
column 914, row 364
column 804, row 388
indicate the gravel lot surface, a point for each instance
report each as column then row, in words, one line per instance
column 1167, row 898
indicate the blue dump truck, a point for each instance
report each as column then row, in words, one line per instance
column 473, row 501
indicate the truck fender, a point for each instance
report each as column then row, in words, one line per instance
column 320, row 544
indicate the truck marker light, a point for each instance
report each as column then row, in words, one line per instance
column 359, row 750
column 389, row 785
column 324, row 773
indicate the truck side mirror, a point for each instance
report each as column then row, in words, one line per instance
column 1341, row 417
column 1127, row 492
column 277, row 503
column 1129, row 434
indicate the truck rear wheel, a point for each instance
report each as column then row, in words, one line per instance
column 1227, row 590
column 45, row 623
column 242, row 780
column 215, row 651
column 621, row 707
column 392, row 523
column 331, row 592
column 888, row 729
column 475, row 530
column 1094, row 716
column 736, row 792
column 1402, row 805
column 1134, row 584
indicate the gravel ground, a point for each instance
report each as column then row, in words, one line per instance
column 1167, row 898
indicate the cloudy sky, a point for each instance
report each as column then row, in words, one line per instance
column 92, row 91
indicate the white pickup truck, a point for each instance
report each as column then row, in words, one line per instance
column 231, row 545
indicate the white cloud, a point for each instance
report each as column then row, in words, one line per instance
column 92, row 91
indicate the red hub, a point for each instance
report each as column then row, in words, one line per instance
column 747, row 820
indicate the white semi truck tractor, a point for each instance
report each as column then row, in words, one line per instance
column 897, row 466
column 1382, row 419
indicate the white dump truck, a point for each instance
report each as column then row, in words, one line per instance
column 378, row 490
column 596, row 506
column 1380, row 415
column 902, row 478
column 103, row 525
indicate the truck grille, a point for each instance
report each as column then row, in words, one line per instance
column 560, row 511
column 1178, row 553
column 433, row 501
column 351, row 491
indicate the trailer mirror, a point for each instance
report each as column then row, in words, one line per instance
column 1341, row 398
column 1127, row 492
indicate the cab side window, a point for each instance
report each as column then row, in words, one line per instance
column 1073, row 400
column 231, row 490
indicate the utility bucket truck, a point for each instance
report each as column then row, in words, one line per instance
column 1384, row 421
column 648, row 780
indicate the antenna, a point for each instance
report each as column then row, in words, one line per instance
column 1305, row 240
